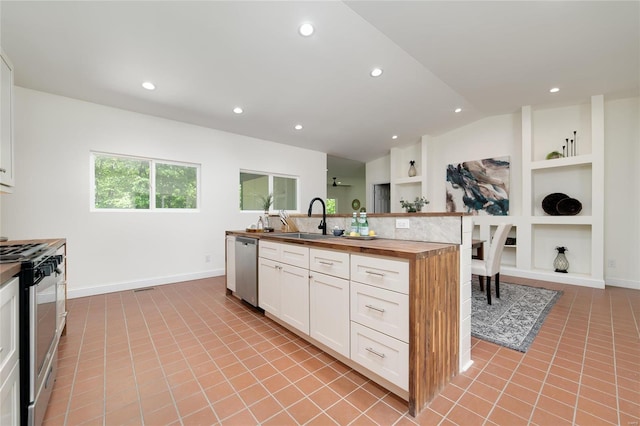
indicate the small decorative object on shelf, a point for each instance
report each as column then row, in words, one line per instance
column 412, row 168
column 559, row 204
column 415, row 206
column 510, row 241
column 555, row 154
column 571, row 146
column 560, row 262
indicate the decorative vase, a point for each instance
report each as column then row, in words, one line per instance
column 412, row 169
column 560, row 262
column 266, row 220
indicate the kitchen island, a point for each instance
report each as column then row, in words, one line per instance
column 387, row 308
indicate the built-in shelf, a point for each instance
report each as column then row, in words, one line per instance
column 561, row 220
column 562, row 162
column 408, row 180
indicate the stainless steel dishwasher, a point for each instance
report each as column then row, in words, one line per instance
column 247, row 269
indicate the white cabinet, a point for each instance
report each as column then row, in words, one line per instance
column 383, row 310
column 384, row 355
column 381, row 272
column 6, row 124
column 294, row 303
column 283, row 282
column 9, row 354
column 231, row 263
column 329, row 299
column 380, row 316
column 269, row 288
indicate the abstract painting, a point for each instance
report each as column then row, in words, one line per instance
column 479, row 187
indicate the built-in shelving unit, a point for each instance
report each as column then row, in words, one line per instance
column 404, row 187
column 580, row 176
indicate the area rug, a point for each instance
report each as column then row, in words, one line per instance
column 515, row 318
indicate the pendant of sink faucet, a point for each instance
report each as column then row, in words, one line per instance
column 323, row 222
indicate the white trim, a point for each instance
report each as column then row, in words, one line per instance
column 617, row 282
column 131, row 285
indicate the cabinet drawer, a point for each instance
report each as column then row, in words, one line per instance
column 269, row 250
column 330, row 262
column 383, row 310
column 290, row 254
column 384, row 355
column 295, row 255
column 381, row 272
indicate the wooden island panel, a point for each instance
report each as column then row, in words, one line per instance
column 434, row 321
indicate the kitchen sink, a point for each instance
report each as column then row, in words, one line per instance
column 303, row 236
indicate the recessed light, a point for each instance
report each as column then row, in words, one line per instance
column 306, row 29
column 554, row 90
column 394, row 137
column 298, row 127
column 149, row 85
column 238, row 110
column 457, row 110
column 376, row 72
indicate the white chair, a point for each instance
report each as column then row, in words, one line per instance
column 491, row 265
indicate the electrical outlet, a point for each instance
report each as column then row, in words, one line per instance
column 611, row 263
column 402, row 223
column 207, row 258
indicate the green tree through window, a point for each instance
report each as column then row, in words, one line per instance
column 127, row 183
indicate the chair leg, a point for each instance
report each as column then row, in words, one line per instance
column 481, row 279
column 489, row 290
column 498, row 285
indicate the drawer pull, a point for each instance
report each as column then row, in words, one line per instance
column 3, row 170
column 374, row 308
column 325, row 263
column 378, row 274
column 376, row 353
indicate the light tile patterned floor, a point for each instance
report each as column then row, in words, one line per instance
column 188, row 354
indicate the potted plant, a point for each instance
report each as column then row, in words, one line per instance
column 414, row 206
column 266, row 205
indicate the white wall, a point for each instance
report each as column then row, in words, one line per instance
column 117, row 250
column 496, row 136
column 622, row 192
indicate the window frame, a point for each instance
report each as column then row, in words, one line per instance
column 270, row 177
column 152, row 182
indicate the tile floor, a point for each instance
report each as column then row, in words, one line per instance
column 188, row 354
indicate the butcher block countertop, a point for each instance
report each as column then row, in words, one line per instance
column 8, row 270
column 379, row 246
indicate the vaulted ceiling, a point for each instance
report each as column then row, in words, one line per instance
column 207, row 57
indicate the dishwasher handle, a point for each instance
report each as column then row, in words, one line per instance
column 245, row 240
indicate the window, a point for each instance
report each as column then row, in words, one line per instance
column 331, row 205
column 256, row 186
column 131, row 183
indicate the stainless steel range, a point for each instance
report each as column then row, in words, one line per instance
column 40, row 273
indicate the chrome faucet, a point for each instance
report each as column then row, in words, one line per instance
column 323, row 222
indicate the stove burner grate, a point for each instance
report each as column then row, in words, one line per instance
column 20, row 252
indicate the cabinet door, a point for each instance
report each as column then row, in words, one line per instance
column 294, row 304
column 10, row 398
column 231, row 263
column 9, row 350
column 269, row 286
column 6, row 121
column 329, row 311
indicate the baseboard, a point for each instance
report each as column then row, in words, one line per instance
column 617, row 282
column 132, row 285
